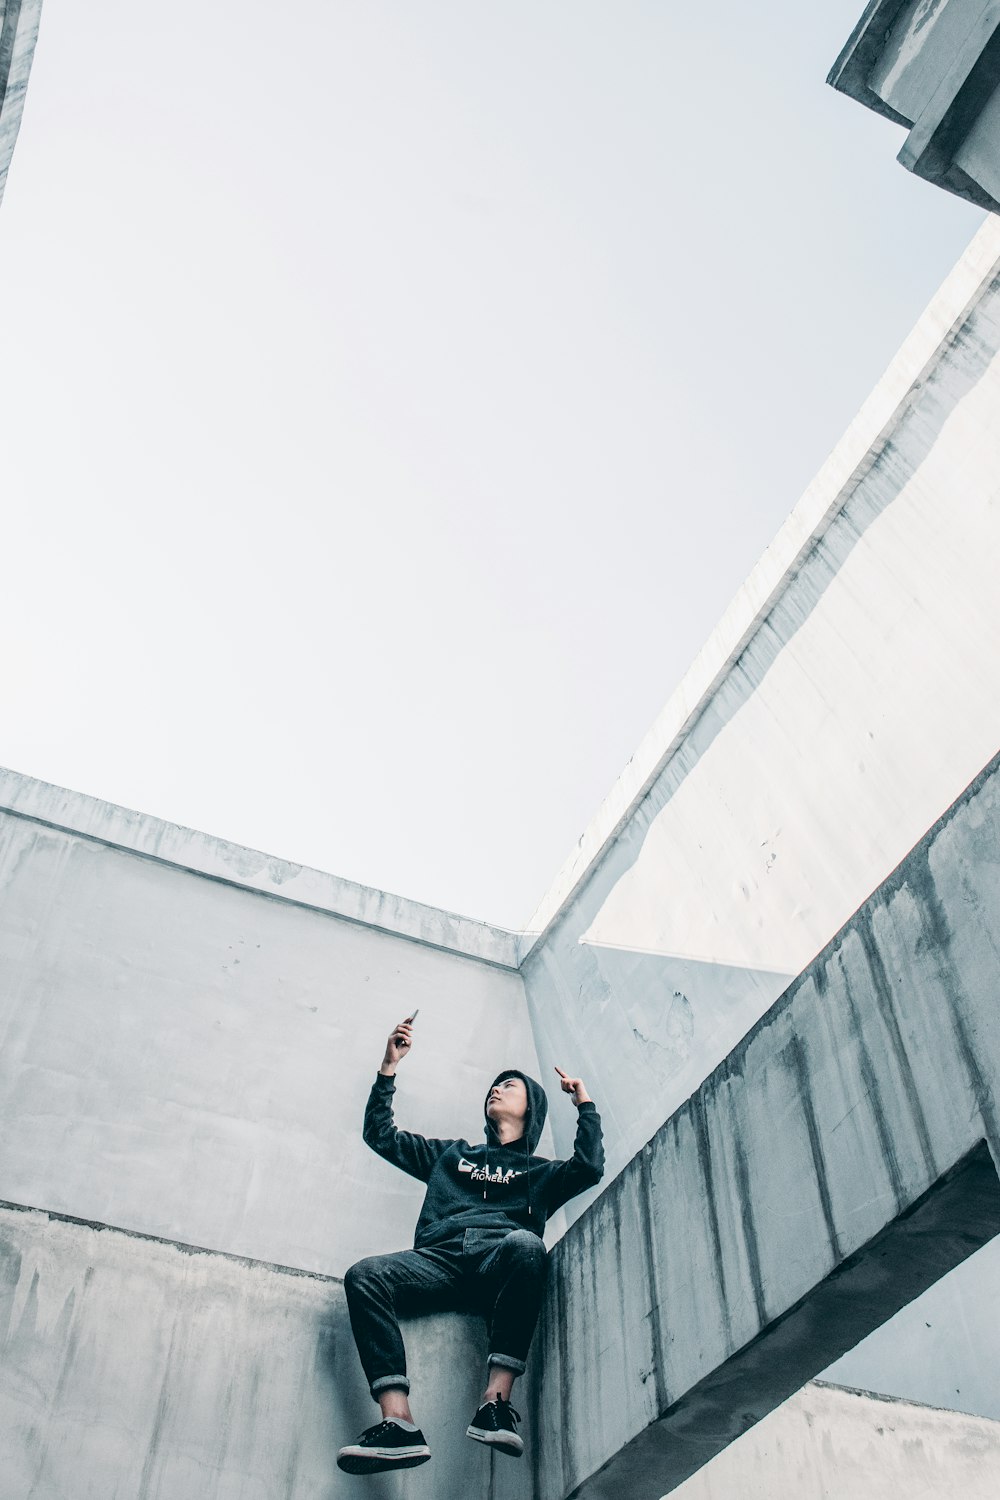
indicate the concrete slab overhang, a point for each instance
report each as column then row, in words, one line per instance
column 936, row 70
column 18, row 35
column 839, row 1161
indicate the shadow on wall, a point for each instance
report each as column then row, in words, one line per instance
column 830, row 1441
column 933, row 1351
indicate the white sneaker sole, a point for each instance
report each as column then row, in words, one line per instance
column 356, row 1460
column 507, row 1442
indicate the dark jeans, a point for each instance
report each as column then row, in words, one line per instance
column 488, row 1271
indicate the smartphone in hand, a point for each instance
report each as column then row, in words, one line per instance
column 403, row 1043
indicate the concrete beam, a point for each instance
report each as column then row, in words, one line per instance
column 830, row 1169
column 959, row 1215
column 18, row 35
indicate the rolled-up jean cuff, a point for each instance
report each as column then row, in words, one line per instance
column 390, row 1382
column 506, row 1362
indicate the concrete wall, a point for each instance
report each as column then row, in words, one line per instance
column 18, row 35
column 829, row 1170
column 828, row 1443
column 844, row 702
column 190, row 1058
column 131, row 1369
column 238, row 1382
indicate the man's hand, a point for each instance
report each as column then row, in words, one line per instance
column 574, row 1086
column 396, row 1048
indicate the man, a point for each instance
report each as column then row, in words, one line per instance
column 477, row 1247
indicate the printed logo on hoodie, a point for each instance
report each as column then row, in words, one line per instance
column 482, row 1174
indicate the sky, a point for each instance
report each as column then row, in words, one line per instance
column 394, row 396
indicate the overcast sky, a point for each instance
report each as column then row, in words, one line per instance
column 395, row 394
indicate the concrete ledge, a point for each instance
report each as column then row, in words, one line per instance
column 131, row 1369
column 959, row 1215
column 52, row 1216
column 248, row 869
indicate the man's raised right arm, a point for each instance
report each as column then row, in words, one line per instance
column 415, row 1154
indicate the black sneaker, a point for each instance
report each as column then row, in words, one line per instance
column 494, row 1424
column 384, row 1446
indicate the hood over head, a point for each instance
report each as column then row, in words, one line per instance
column 538, row 1108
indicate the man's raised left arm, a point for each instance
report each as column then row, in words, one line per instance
column 585, row 1167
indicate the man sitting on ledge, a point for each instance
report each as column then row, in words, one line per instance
column 478, row 1247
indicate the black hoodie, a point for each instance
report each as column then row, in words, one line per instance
column 490, row 1186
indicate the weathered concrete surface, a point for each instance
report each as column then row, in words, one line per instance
column 933, row 66
column 828, row 1443
column 189, row 1058
column 136, row 1370
column 18, row 35
column 725, row 860
column 825, row 1173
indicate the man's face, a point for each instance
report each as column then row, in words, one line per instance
column 508, row 1100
